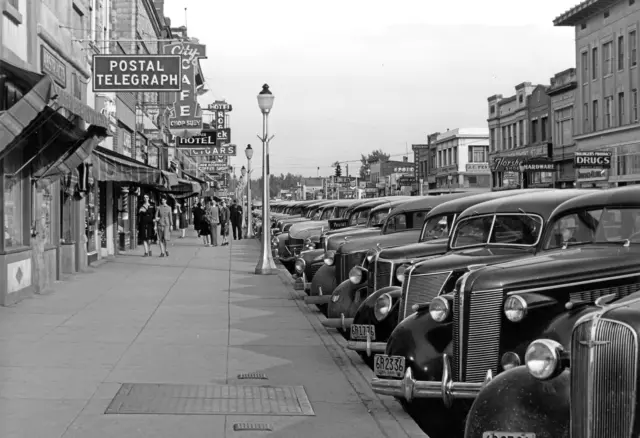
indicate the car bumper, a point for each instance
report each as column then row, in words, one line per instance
column 447, row 390
column 342, row 322
column 318, row 299
column 367, row 347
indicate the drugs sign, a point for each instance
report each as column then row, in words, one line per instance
column 595, row 159
column 136, row 73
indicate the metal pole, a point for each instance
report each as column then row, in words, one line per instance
column 266, row 265
column 249, row 214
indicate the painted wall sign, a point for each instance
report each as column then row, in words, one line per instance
column 594, row 159
column 136, row 73
column 477, row 168
column 207, row 137
column 508, row 164
column 229, row 150
column 54, row 67
column 185, row 119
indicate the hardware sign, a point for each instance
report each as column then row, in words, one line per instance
column 136, row 73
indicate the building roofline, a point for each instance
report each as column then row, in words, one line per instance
column 582, row 11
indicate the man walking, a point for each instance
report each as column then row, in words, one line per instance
column 224, row 222
column 236, row 220
column 213, row 217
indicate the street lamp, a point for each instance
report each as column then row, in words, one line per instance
column 265, row 265
column 249, row 153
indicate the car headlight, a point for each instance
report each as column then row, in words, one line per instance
column 544, row 359
column 356, row 275
column 328, row 258
column 308, row 244
column 439, row 309
column 509, row 360
column 400, row 272
column 275, row 242
column 382, row 306
column 515, row 308
column 300, row 265
column 371, row 255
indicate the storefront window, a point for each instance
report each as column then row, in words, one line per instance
column 91, row 219
column 42, row 211
column 13, row 206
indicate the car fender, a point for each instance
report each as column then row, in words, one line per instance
column 516, row 402
column 366, row 312
column 282, row 249
column 325, row 278
column 367, row 306
column 346, row 299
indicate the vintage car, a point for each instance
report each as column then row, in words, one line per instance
column 467, row 327
column 324, row 281
column 311, row 260
column 581, row 374
column 373, row 322
column 403, row 225
column 301, row 212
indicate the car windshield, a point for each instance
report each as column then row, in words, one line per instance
column 405, row 221
column 326, row 214
column 437, row 227
column 378, row 217
column 501, row 229
column 359, row 217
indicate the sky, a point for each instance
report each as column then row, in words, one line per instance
column 353, row 76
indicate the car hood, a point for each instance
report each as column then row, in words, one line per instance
column 334, row 241
column 293, row 220
column 366, row 242
column 415, row 250
column 304, row 230
column 472, row 256
column 559, row 267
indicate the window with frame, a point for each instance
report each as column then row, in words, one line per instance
column 594, row 111
column 42, row 196
column 492, row 138
column 621, row 111
column 534, row 131
column 13, row 205
column 608, row 112
column 594, row 63
column 455, row 155
column 544, row 128
column 503, row 146
column 633, row 46
column 607, row 53
column 634, row 104
column 585, row 66
column 521, row 132
column 585, row 115
column 621, row 52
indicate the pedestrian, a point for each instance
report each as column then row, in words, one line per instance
column 204, row 225
column 183, row 220
column 224, row 223
column 198, row 215
column 164, row 222
column 212, row 215
column 236, row 220
column 145, row 225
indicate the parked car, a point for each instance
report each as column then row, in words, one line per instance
column 450, row 334
column 581, row 374
column 325, row 279
column 371, row 325
column 300, row 212
column 355, row 258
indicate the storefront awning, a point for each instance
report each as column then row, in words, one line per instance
column 194, row 178
column 111, row 166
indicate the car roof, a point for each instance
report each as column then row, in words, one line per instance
column 390, row 204
column 344, row 202
column 427, row 202
column 619, row 196
column 542, row 203
column 461, row 204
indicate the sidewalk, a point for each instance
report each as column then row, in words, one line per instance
column 197, row 319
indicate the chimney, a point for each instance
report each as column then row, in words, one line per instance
column 405, row 159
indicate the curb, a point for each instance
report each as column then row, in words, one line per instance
column 388, row 414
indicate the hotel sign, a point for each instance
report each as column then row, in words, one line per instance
column 595, row 159
column 205, row 138
column 54, row 67
column 219, row 106
column 136, row 73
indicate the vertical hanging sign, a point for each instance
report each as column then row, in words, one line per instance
column 185, row 118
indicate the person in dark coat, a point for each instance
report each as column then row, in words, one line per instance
column 198, row 215
column 146, row 225
column 236, row 220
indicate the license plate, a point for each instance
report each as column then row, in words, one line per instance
column 388, row 366
column 359, row 332
column 508, row 435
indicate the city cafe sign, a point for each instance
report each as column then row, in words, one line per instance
column 136, row 73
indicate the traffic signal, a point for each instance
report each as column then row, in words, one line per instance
column 338, row 170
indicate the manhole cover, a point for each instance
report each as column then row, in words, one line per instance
column 171, row 399
column 253, row 426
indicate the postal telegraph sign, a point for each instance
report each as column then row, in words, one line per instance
column 137, row 73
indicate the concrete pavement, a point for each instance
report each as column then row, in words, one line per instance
column 190, row 325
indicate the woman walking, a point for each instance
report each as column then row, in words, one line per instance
column 212, row 216
column 164, row 222
column 183, row 220
column 198, row 214
column 225, row 215
column 145, row 225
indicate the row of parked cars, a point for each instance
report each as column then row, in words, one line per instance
column 505, row 314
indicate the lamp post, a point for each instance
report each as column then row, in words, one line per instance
column 265, row 265
column 521, row 176
column 249, row 153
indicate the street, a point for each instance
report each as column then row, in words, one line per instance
column 188, row 326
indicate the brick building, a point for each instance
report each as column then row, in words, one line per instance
column 562, row 93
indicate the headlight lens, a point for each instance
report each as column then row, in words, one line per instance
column 382, row 307
column 439, row 309
column 515, row 308
column 274, row 242
column 509, row 360
column 400, row 272
column 355, row 275
column 543, row 358
column 328, row 258
column 371, row 255
column 300, row 265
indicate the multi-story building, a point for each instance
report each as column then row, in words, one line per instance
column 420, row 162
column 606, row 101
column 381, row 171
column 461, row 159
column 562, row 93
column 430, row 178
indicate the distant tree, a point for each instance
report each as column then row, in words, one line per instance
column 378, row 155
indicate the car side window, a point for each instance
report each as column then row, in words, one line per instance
column 397, row 223
column 574, row 228
column 619, row 224
column 417, row 219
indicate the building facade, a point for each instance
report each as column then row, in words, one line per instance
column 461, row 156
column 608, row 78
column 563, row 93
column 421, row 163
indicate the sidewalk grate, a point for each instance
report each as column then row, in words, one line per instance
column 172, row 399
column 252, row 376
column 252, row 426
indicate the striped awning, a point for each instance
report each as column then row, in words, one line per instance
column 111, row 166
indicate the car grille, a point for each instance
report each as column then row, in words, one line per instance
column 339, row 262
column 371, row 277
column 294, row 245
column 384, row 269
column 313, row 269
column 344, row 263
column 478, row 317
column 592, row 295
column 322, row 242
column 418, row 289
column 603, row 379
